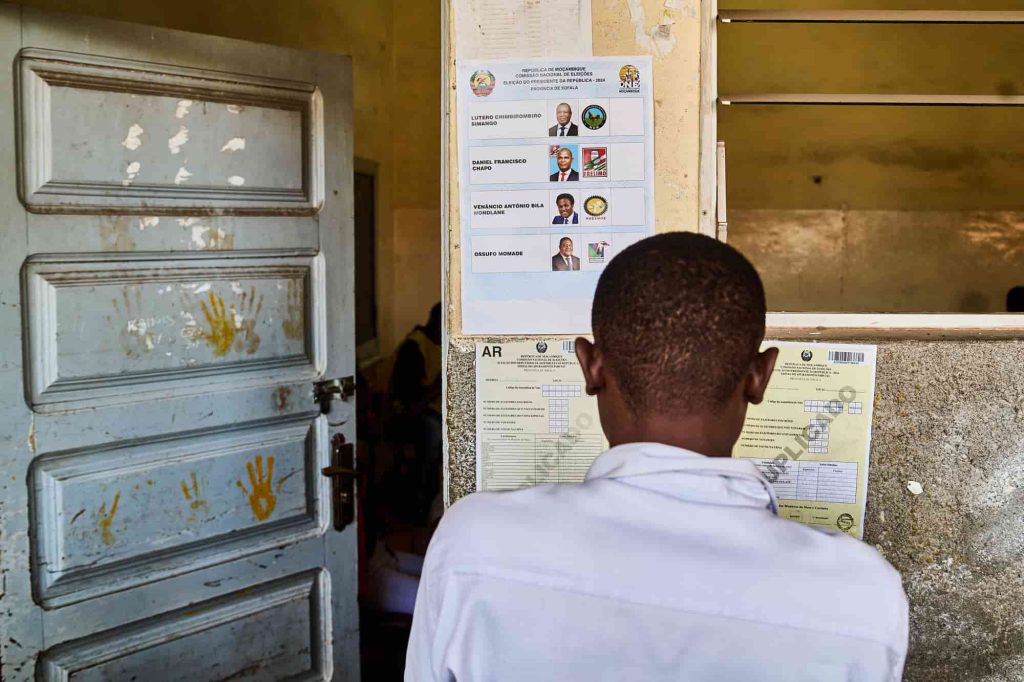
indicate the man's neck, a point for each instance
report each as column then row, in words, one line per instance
column 698, row 433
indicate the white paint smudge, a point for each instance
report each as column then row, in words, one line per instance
column 915, row 487
column 149, row 221
column 199, row 236
column 234, row 109
column 188, row 222
column 138, row 326
column 131, row 172
column 200, row 288
column 234, row 144
column 238, row 319
column 236, row 180
column 236, row 289
column 182, row 176
column 178, row 141
column 182, row 109
column 132, row 141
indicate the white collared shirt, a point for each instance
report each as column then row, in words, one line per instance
column 663, row 565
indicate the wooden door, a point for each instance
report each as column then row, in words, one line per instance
column 175, row 275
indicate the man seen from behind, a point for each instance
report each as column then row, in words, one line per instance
column 669, row 562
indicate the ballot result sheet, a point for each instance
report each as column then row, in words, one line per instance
column 535, row 423
column 811, row 437
column 556, row 171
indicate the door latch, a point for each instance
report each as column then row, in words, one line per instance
column 342, row 473
column 326, row 391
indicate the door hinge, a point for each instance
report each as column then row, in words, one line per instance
column 342, row 473
column 326, row 391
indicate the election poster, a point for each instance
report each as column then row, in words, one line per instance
column 556, row 166
column 811, row 436
column 535, row 423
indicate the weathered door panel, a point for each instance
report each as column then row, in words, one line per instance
column 288, row 618
column 175, row 276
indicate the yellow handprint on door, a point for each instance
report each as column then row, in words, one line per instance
column 221, row 333
column 106, row 518
column 262, row 498
column 195, row 500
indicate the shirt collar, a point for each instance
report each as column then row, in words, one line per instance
column 686, row 475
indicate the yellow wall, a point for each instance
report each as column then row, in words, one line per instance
column 395, row 50
column 876, row 209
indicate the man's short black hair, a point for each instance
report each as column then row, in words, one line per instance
column 564, row 240
column 679, row 317
column 565, row 195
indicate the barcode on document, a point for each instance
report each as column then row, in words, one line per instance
column 568, row 346
column 845, row 357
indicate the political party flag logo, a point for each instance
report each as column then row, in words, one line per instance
column 553, row 150
column 482, row 83
column 596, row 251
column 594, row 117
column 595, row 206
column 595, row 162
column 629, row 77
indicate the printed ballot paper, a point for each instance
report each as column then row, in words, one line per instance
column 811, row 437
column 534, row 421
column 556, row 170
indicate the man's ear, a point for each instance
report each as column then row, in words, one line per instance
column 592, row 363
column 760, row 372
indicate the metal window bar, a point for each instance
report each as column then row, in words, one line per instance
column 869, row 17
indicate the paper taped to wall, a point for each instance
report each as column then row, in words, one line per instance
column 811, row 437
column 505, row 29
column 556, row 176
column 535, row 422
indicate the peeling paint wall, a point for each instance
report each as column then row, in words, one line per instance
column 396, row 53
column 949, row 414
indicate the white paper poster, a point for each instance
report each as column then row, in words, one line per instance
column 503, row 29
column 535, row 423
column 811, row 436
column 556, row 170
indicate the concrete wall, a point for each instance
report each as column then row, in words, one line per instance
column 396, row 50
column 948, row 414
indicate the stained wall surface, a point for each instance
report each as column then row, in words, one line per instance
column 949, row 414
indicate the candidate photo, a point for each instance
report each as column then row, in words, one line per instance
column 564, row 126
column 564, row 171
column 567, row 215
column 564, row 261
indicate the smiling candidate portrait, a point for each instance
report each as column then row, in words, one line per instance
column 565, row 173
column 564, row 127
column 566, row 215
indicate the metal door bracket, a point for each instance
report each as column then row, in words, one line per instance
column 326, row 391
